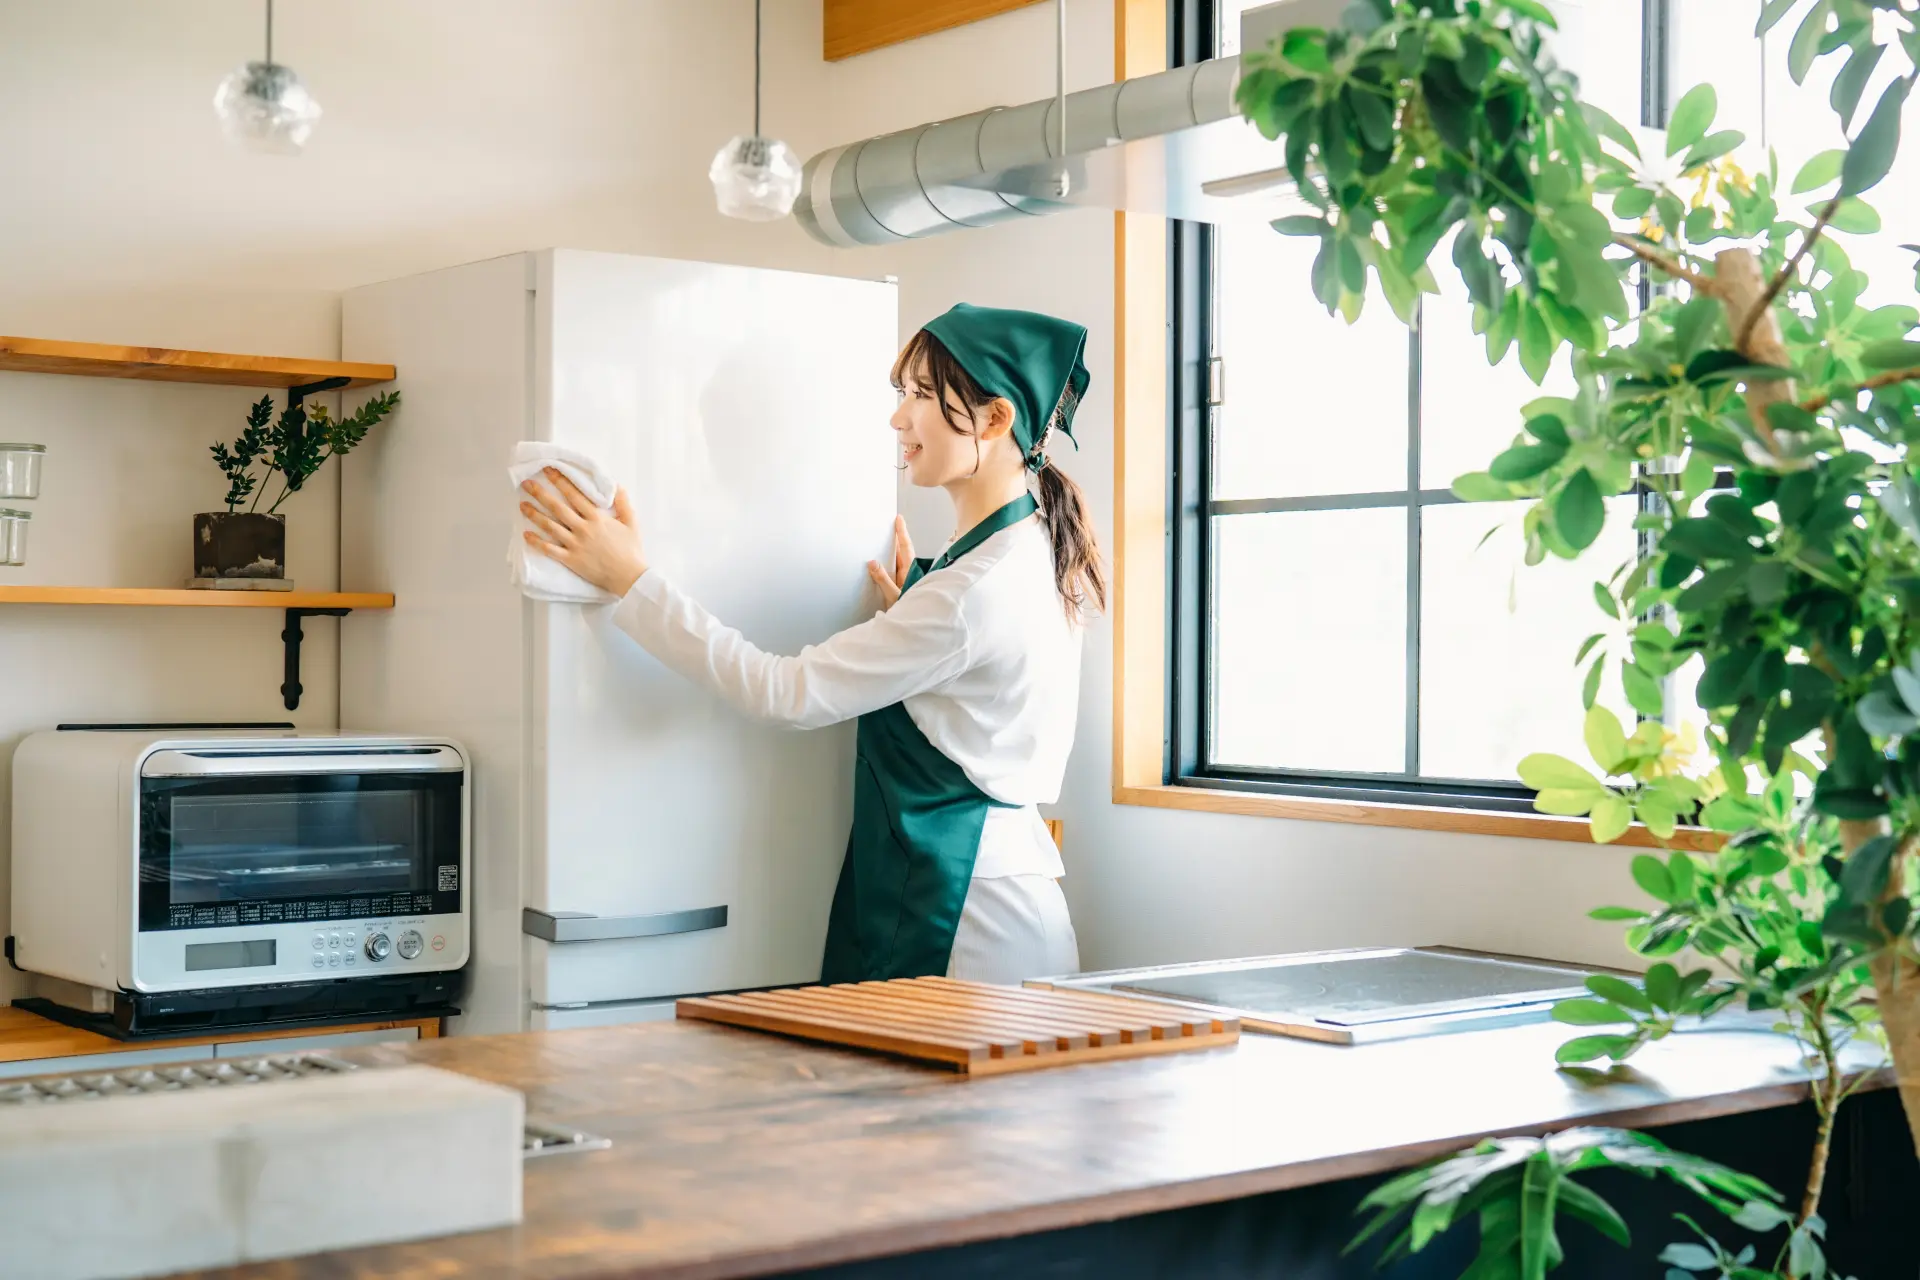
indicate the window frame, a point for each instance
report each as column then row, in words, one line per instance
column 1191, row 326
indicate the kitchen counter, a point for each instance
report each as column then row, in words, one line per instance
column 740, row 1154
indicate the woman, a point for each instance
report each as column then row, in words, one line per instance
column 965, row 685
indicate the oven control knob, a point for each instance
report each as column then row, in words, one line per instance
column 378, row 947
column 410, row 944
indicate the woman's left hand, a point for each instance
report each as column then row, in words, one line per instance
column 601, row 547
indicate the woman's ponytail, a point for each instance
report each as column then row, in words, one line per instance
column 1077, row 571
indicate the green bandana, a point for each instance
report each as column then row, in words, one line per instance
column 1031, row 359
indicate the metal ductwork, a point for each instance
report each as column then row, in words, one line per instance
column 1170, row 143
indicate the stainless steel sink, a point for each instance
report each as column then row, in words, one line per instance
column 1355, row 996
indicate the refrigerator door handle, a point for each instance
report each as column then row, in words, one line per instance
column 581, row 926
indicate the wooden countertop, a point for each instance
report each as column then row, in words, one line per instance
column 740, row 1154
column 25, row 1036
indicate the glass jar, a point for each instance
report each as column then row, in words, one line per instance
column 20, row 470
column 13, row 536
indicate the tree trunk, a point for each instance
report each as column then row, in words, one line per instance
column 1739, row 284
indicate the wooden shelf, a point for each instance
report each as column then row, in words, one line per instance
column 196, row 599
column 163, row 364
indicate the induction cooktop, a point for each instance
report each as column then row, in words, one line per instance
column 1354, row 996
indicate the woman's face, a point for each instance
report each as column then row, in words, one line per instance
column 935, row 454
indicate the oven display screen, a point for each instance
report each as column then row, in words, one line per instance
column 230, row 955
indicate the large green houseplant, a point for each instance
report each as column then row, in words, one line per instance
column 1728, row 372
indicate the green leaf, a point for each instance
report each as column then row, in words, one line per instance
column 1589, row 1013
column 1530, row 9
column 1663, row 986
column 1590, row 688
column 1525, row 461
column 1619, row 990
column 1864, row 874
column 1612, row 815
column 1856, row 217
column 1480, row 486
column 1536, row 344
column 1611, row 129
column 1712, row 147
column 1870, row 157
column 1544, row 772
column 1579, row 512
column 1771, row 13
column 1633, row 203
column 1819, row 171
column 1302, row 225
column 1587, row 1048
column 1690, row 1257
column 1606, row 739
column 1688, row 121
column 1852, row 81
column 1538, row 1247
column 1806, row 41
column 1306, row 48
column 1579, row 1202
column 1616, row 913
column 1652, row 875
column 1901, row 501
column 1882, row 716
column 1702, row 539
column 1659, row 810
column 1565, row 802
column 1643, row 691
column 1899, row 353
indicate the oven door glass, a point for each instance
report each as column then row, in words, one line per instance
column 260, row 850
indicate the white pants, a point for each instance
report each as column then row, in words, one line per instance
column 1013, row 928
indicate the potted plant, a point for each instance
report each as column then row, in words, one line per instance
column 1768, row 420
column 249, row 548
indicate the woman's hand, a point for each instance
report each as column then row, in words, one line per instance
column 601, row 547
column 890, row 583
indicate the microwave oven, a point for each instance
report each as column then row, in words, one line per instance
column 210, row 879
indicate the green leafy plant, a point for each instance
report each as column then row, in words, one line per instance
column 295, row 446
column 1518, row 1188
column 1763, row 417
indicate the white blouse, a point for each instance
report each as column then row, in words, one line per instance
column 981, row 652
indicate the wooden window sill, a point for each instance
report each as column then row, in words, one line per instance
column 1531, row 826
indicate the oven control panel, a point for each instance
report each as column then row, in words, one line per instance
column 184, row 959
column 379, row 944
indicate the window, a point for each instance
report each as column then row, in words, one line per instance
column 1341, row 624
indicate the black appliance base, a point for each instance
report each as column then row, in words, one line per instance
column 139, row 1015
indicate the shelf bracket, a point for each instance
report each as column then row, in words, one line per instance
column 292, row 636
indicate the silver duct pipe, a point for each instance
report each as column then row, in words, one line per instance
column 994, row 166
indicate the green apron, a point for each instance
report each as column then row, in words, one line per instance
column 916, row 831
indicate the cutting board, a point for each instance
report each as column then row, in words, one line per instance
column 971, row 1027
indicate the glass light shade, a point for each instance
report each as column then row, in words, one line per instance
column 755, row 178
column 264, row 106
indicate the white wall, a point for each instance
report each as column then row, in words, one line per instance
column 459, row 129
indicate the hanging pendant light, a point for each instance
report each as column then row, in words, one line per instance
column 753, row 177
column 264, row 107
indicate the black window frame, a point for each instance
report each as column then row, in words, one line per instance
column 1191, row 259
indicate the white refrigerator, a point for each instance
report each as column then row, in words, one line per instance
column 634, row 839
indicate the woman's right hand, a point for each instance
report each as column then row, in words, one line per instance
column 891, row 582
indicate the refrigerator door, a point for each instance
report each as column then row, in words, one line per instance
column 745, row 411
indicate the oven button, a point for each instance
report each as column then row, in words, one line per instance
column 333, row 962
column 410, row 944
column 350, row 940
column 347, row 958
column 319, row 962
column 333, row 939
column 378, row 947
column 319, row 942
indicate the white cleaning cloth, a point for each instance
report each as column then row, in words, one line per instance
column 537, row 576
